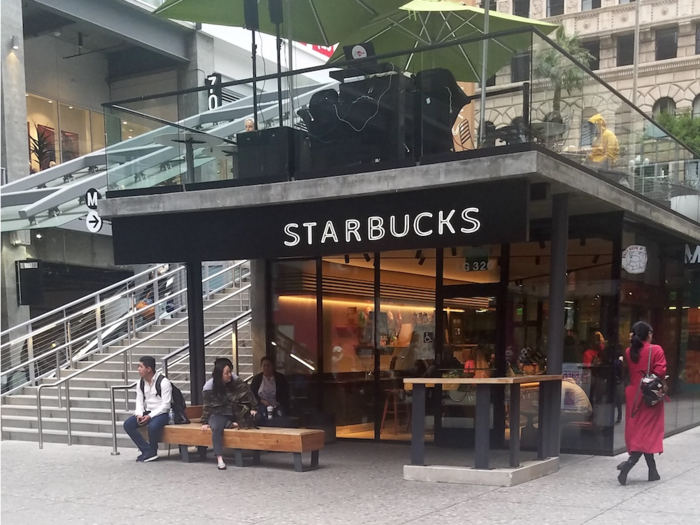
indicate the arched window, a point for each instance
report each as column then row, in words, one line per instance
column 696, row 107
column 664, row 105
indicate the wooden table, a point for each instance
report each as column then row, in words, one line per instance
column 547, row 385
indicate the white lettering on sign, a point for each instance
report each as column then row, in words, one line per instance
column 692, row 257
column 329, row 232
column 416, row 224
column 375, row 228
column 28, row 266
column 475, row 224
column 442, row 222
column 406, row 226
column 424, row 224
column 352, row 226
column 294, row 235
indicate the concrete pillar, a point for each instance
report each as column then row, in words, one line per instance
column 555, row 331
column 201, row 55
column 14, row 145
column 195, row 322
column 259, row 305
column 11, row 314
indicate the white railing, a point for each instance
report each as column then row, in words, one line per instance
column 127, row 354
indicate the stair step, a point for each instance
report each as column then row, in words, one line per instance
column 96, row 414
column 77, row 425
column 101, row 439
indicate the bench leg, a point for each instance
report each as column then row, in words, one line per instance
column 202, row 453
column 185, row 453
column 299, row 465
column 238, row 454
column 256, row 457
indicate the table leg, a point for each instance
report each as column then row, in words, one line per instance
column 482, row 424
column 514, row 423
column 541, row 423
column 418, row 426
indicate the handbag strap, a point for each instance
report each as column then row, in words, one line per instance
column 636, row 408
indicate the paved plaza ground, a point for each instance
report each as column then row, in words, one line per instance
column 357, row 483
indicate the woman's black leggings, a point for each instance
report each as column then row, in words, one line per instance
column 635, row 456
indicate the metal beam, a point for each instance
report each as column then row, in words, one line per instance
column 21, row 198
column 126, row 22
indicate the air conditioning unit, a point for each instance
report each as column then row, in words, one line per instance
column 21, row 238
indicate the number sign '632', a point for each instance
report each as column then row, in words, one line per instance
column 476, row 264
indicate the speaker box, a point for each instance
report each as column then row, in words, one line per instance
column 276, row 13
column 272, row 154
column 30, row 284
column 250, row 15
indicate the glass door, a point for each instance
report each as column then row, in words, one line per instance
column 470, row 348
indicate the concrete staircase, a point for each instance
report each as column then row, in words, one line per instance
column 90, row 393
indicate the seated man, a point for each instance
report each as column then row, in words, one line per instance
column 153, row 400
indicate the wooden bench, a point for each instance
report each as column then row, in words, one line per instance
column 294, row 440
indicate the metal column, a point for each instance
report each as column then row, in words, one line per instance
column 555, row 332
column 195, row 321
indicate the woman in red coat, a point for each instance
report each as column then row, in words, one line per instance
column 644, row 432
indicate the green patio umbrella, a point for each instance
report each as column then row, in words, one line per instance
column 421, row 23
column 323, row 22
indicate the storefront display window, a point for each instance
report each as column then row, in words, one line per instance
column 42, row 126
column 75, row 132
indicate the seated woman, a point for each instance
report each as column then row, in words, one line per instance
column 227, row 401
column 270, row 389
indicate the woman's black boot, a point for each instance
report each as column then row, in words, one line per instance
column 627, row 466
column 651, row 463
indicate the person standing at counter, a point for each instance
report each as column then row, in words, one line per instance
column 644, row 431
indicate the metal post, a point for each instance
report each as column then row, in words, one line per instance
column 58, row 377
column 526, row 112
column 30, row 356
column 418, row 425
column 69, row 348
column 254, row 49
column 195, row 318
column 156, row 297
column 234, row 347
column 482, row 426
column 98, row 323
column 635, row 66
column 555, row 331
column 189, row 160
column 278, row 44
column 112, row 405
column 484, row 61
column 126, row 380
column 514, row 417
column 40, row 423
column 69, row 426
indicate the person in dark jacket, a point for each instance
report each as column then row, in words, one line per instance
column 227, row 402
column 270, row 389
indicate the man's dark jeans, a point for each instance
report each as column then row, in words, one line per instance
column 155, row 431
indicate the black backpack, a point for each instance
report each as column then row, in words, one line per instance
column 177, row 404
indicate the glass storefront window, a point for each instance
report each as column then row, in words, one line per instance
column 42, row 127
column 60, row 132
column 75, row 132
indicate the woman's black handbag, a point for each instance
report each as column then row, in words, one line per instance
column 652, row 387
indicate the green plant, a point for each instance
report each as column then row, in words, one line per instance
column 42, row 146
column 564, row 74
column 683, row 126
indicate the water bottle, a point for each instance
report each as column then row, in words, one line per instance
column 171, row 417
column 270, row 411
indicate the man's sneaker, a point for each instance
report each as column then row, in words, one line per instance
column 150, row 457
column 140, row 458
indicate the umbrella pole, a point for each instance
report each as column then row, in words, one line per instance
column 279, row 73
column 484, row 59
column 255, row 82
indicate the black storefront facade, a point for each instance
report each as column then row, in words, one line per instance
column 482, row 278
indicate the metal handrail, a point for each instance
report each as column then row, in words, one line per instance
column 166, row 359
column 128, row 317
column 118, row 353
column 82, row 299
column 164, row 370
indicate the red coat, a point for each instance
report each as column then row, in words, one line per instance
column 645, row 431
